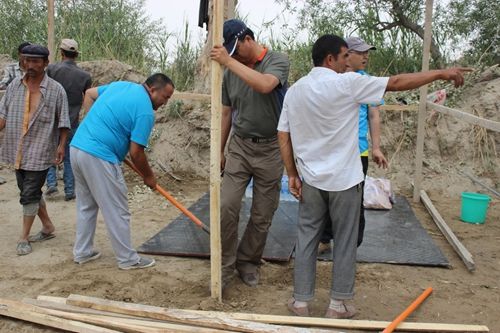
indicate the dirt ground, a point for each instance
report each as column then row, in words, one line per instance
column 180, row 150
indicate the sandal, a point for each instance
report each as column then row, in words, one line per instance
column 40, row 237
column 23, row 248
column 298, row 311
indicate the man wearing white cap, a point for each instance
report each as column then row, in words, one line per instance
column 75, row 82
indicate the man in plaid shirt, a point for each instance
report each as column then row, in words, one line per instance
column 14, row 70
column 34, row 113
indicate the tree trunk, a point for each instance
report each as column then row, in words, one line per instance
column 202, row 84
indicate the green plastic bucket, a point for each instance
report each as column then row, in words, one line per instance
column 474, row 207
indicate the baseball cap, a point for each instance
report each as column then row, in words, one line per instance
column 69, row 45
column 233, row 29
column 357, row 44
column 35, row 51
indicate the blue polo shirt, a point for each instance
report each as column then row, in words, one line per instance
column 123, row 112
column 363, row 124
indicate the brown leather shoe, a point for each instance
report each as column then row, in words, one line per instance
column 298, row 311
column 349, row 312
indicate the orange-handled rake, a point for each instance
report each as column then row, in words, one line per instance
column 408, row 311
column 172, row 200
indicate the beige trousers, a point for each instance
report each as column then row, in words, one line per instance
column 246, row 160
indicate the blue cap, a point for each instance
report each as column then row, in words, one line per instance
column 233, row 29
column 35, row 51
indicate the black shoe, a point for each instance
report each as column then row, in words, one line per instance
column 69, row 197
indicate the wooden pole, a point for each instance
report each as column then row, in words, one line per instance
column 422, row 103
column 50, row 30
column 215, row 156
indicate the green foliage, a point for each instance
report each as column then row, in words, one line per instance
column 476, row 21
column 183, row 67
column 22, row 21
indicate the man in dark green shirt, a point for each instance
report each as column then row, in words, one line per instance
column 255, row 82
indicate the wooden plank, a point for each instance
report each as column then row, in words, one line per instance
column 53, row 299
column 464, row 254
column 467, row 117
column 178, row 316
column 477, row 181
column 423, row 99
column 369, row 325
column 125, row 319
column 50, row 30
column 215, row 156
column 17, row 310
column 397, row 107
column 190, row 96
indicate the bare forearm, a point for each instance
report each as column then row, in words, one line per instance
column 286, row 150
column 263, row 83
column 141, row 162
column 374, row 121
column 63, row 136
column 413, row 80
column 225, row 126
column 2, row 124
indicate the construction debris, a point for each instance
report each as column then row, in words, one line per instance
column 89, row 314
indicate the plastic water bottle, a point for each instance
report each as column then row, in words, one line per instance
column 249, row 190
column 285, row 195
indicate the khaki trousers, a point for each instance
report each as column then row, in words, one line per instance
column 245, row 160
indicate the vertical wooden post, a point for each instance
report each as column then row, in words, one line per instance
column 423, row 102
column 50, row 30
column 215, row 155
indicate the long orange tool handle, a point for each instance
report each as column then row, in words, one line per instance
column 392, row 326
column 172, row 200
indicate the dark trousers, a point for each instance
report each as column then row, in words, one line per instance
column 327, row 232
column 30, row 184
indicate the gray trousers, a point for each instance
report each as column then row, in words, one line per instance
column 100, row 184
column 247, row 159
column 343, row 207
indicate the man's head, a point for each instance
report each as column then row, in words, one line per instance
column 35, row 59
column 160, row 88
column 330, row 51
column 69, row 48
column 19, row 56
column 238, row 40
column 358, row 53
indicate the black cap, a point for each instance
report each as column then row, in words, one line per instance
column 22, row 46
column 35, row 51
column 233, row 29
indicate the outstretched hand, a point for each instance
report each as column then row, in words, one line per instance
column 456, row 74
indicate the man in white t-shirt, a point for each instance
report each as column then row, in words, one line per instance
column 319, row 124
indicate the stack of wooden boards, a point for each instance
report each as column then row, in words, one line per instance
column 95, row 315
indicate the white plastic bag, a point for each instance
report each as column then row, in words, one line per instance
column 377, row 193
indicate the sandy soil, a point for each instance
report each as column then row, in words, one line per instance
column 180, row 150
column 382, row 290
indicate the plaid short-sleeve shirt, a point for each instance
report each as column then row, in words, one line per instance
column 30, row 140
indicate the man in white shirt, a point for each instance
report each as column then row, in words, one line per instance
column 319, row 124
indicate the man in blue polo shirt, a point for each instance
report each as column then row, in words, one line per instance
column 120, row 121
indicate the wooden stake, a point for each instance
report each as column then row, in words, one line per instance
column 50, row 30
column 464, row 254
column 413, row 306
column 467, row 117
column 423, row 100
column 215, row 157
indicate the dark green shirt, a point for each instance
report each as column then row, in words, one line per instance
column 257, row 113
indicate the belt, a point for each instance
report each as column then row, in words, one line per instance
column 258, row 139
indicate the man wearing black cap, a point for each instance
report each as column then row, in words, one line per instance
column 255, row 82
column 34, row 112
column 75, row 82
column 14, row 70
